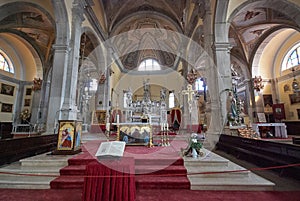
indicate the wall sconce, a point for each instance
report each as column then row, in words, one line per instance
column 257, row 83
column 295, row 84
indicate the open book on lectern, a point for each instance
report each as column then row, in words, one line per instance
column 111, row 149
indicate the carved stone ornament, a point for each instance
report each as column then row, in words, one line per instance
column 37, row 84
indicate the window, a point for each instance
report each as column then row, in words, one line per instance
column 171, row 100
column 292, row 58
column 199, row 85
column 149, row 65
column 5, row 63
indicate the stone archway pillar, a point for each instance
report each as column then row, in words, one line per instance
column 69, row 108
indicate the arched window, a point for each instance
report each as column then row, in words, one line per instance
column 171, row 100
column 149, row 65
column 199, row 85
column 292, row 58
column 5, row 63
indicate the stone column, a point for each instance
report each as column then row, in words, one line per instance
column 104, row 92
column 43, row 105
column 251, row 105
column 69, row 108
column 61, row 53
column 218, row 74
column 185, row 111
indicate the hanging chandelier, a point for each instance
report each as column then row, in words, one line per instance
column 258, row 83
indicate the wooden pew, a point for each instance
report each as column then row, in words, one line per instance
column 263, row 153
column 12, row 150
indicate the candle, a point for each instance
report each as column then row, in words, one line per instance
column 118, row 119
column 167, row 126
column 107, row 126
column 162, row 126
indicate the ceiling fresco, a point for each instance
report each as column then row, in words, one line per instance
column 251, row 26
column 142, row 29
column 35, row 26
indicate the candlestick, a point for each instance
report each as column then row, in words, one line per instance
column 107, row 126
column 118, row 119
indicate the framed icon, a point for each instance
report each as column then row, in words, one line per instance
column 66, row 135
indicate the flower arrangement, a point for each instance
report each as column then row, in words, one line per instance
column 194, row 143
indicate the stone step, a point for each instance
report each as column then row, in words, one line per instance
column 25, row 182
column 251, row 183
column 46, row 160
column 209, row 163
column 32, row 173
column 208, row 159
column 19, row 169
column 231, row 171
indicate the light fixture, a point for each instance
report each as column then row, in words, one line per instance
column 257, row 83
column 295, row 84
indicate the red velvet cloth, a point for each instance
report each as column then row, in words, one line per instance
column 175, row 118
column 97, row 128
column 110, row 180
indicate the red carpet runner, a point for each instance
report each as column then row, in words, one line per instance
column 155, row 168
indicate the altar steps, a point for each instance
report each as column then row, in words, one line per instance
column 72, row 176
column 161, row 174
column 32, row 173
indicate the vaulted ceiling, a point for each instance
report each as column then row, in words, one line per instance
column 252, row 28
column 126, row 18
column 30, row 23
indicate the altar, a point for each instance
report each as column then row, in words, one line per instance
column 135, row 133
column 280, row 129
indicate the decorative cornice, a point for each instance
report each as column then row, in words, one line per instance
column 94, row 22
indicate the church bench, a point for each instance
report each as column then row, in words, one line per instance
column 262, row 153
column 12, row 150
column 296, row 140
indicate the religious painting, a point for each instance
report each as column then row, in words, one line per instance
column 135, row 134
column 27, row 102
column 243, row 100
column 298, row 113
column 261, row 117
column 278, row 111
column 66, row 135
column 78, row 132
column 294, row 98
column 7, row 89
column 268, row 102
column 6, row 107
column 28, row 91
column 99, row 117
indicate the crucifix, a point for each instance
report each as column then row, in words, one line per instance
column 190, row 94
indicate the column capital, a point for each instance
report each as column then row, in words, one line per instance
column 222, row 46
column 61, row 48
